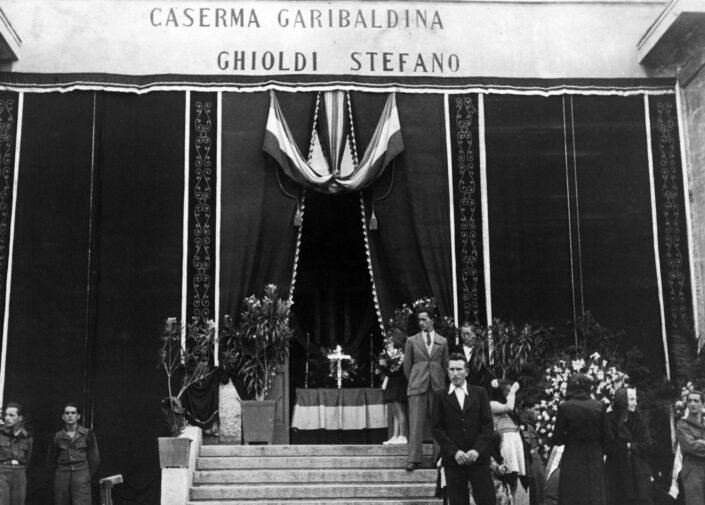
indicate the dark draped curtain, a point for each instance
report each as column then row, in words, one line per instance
column 46, row 348
column 410, row 250
column 140, row 272
column 527, row 209
column 96, row 268
column 612, row 213
column 570, row 215
column 98, row 244
column 258, row 236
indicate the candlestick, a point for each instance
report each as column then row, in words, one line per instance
column 308, row 345
column 372, row 364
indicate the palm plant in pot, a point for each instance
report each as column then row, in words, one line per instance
column 183, row 366
column 252, row 351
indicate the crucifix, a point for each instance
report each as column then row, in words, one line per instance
column 338, row 356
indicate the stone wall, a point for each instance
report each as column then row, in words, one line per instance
column 693, row 100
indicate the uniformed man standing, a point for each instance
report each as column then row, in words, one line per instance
column 74, row 451
column 15, row 453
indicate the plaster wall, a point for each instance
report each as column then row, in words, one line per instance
column 500, row 38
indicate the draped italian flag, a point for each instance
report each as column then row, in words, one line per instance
column 325, row 173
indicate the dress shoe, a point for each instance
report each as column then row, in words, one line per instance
column 411, row 467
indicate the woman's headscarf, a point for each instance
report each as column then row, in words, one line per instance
column 621, row 400
column 620, row 404
column 578, row 384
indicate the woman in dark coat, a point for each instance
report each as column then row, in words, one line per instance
column 581, row 426
column 628, row 474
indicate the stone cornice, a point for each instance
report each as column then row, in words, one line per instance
column 674, row 44
column 10, row 41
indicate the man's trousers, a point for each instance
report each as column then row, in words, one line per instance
column 420, row 408
column 72, row 486
column 693, row 479
column 13, row 485
column 479, row 477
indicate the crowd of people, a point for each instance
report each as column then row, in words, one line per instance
column 487, row 447
column 73, row 454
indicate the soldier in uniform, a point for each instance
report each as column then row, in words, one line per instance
column 15, row 453
column 74, row 453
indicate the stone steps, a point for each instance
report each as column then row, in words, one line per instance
column 212, row 451
column 312, row 491
column 311, row 475
column 293, row 501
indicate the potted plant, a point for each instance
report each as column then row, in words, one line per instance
column 184, row 366
column 252, row 352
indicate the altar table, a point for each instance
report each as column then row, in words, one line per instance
column 339, row 409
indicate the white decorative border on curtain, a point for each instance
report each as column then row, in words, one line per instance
column 202, row 208
column 368, row 256
column 672, row 230
column 10, row 117
column 8, row 130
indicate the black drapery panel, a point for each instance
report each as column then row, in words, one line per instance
column 613, row 244
column 528, row 209
column 465, row 160
column 47, row 337
column 202, row 201
column 411, row 253
column 673, row 234
column 142, row 158
column 258, row 237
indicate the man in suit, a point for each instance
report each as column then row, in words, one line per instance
column 425, row 365
column 478, row 374
column 463, row 426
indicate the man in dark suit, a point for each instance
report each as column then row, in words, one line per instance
column 463, row 426
column 425, row 365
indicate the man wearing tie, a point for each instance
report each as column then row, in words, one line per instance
column 425, row 366
column 463, row 426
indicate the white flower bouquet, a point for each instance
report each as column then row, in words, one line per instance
column 606, row 380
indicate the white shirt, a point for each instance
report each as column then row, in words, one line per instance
column 460, row 392
column 468, row 352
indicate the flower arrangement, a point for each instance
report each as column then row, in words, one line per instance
column 255, row 348
column 404, row 319
column 606, row 380
column 391, row 357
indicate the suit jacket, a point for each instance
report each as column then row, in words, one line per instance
column 477, row 376
column 457, row 429
column 422, row 370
